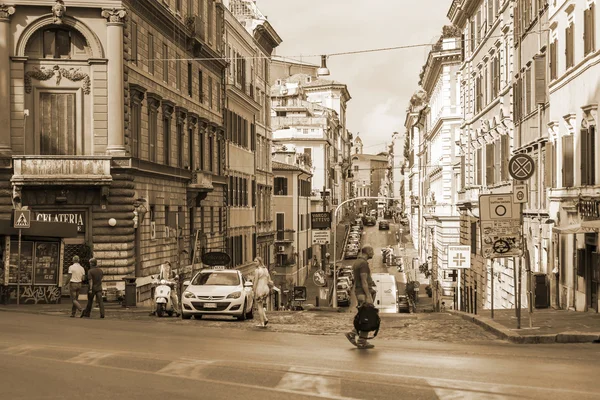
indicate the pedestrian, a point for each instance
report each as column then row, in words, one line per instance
column 167, row 273
column 95, row 276
column 364, row 292
column 262, row 289
column 76, row 272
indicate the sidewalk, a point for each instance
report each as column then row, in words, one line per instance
column 548, row 325
column 64, row 308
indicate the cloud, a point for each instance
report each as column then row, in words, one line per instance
column 379, row 123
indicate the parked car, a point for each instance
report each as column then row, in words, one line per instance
column 358, row 221
column 384, row 225
column 346, row 272
column 351, row 253
column 343, row 297
column 217, row 292
column 403, row 306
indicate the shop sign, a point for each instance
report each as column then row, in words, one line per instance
column 69, row 217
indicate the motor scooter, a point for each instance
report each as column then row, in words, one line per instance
column 162, row 298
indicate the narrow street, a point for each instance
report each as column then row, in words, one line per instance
column 94, row 359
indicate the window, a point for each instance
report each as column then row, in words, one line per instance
column 589, row 29
column 211, row 152
column 134, row 42
column 202, row 142
column 178, row 6
column 165, row 57
column 472, row 36
column 489, row 164
column 190, row 81
column 504, row 152
column 180, row 143
column 166, row 140
column 495, row 76
column 527, row 84
column 210, row 92
column 554, row 59
column 280, row 184
column 588, row 153
column 151, row 56
column 152, row 128
column 211, row 7
column 191, row 146
column 135, row 122
column 57, row 124
column 540, row 79
column 479, row 167
column 57, row 43
column 473, row 237
column 567, row 159
column 569, row 45
column 178, row 71
column 218, row 88
column 200, row 86
column 212, row 219
column 308, row 154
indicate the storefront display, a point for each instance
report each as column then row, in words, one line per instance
column 25, row 272
column 46, row 263
column 39, row 263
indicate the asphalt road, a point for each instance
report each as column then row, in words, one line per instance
column 51, row 357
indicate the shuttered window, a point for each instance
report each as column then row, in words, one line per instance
column 57, row 116
column 504, row 152
column 567, row 155
column 540, row 79
column 549, row 173
column 479, row 168
column 497, row 161
column 489, row 164
column 462, row 172
column 588, row 152
column 569, row 45
column 528, row 85
column 554, row 59
column 473, row 237
column 589, row 32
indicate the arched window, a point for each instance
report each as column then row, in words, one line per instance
column 56, row 42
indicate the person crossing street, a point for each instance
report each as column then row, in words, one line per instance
column 365, row 293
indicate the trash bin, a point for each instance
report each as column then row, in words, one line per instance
column 130, row 292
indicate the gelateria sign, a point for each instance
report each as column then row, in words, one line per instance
column 69, row 217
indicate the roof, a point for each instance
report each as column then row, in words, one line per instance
column 370, row 157
column 276, row 165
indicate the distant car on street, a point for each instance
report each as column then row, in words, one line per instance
column 351, row 253
column 384, row 225
column 370, row 221
column 343, row 297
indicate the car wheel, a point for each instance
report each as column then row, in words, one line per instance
column 242, row 317
column 185, row 316
column 198, row 316
column 160, row 310
column 250, row 314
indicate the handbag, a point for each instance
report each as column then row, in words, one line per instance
column 367, row 319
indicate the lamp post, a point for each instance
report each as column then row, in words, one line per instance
column 334, row 229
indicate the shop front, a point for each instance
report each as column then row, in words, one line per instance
column 38, row 277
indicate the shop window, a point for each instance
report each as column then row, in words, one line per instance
column 39, row 263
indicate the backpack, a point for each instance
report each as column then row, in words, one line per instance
column 367, row 319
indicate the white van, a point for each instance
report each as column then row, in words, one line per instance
column 386, row 299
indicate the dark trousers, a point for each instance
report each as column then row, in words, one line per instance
column 98, row 296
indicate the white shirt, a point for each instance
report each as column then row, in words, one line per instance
column 77, row 272
column 165, row 272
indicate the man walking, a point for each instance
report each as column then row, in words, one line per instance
column 77, row 272
column 363, row 289
column 95, row 276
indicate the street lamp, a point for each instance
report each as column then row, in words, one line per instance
column 334, row 223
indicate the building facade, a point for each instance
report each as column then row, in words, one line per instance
column 573, row 142
column 115, row 107
column 291, row 204
column 370, row 173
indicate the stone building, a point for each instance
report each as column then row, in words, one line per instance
column 574, row 207
column 369, row 172
column 115, row 123
column 250, row 40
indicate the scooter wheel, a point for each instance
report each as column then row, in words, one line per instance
column 160, row 310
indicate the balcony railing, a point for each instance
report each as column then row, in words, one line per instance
column 285, row 236
column 62, row 170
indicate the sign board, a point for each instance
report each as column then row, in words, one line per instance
column 319, row 278
column 22, row 219
column 299, row 293
column 521, row 167
column 69, row 217
column 320, row 220
column 459, row 257
column 500, row 222
column 520, row 194
column 321, row 237
column 216, row 258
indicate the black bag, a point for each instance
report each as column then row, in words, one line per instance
column 367, row 319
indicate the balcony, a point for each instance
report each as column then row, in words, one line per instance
column 61, row 170
column 201, row 181
column 286, row 236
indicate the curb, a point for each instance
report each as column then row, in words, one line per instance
column 507, row 334
column 26, row 309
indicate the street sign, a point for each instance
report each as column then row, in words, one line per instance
column 319, row 278
column 216, row 258
column 321, row 236
column 22, row 219
column 459, row 257
column 500, row 221
column 520, row 194
column 320, row 220
column 521, row 167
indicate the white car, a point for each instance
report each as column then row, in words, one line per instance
column 217, row 292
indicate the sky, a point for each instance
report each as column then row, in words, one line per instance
column 381, row 83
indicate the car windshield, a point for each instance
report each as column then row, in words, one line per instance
column 216, row 279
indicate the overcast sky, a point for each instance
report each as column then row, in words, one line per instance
column 380, row 83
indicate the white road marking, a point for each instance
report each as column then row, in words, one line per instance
column 186, row 368
column 445, row 390
column 20, row 349
column 89, row 358
column 310, row 380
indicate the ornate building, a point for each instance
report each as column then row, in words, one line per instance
column 116, row 125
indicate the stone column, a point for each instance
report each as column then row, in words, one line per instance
column 5, row 42
column 116, row 103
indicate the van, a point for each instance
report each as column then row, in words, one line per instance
column 386, row 299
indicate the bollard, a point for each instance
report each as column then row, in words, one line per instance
column 316, row 301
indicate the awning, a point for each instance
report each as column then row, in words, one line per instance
column 583, row 227
column 42, row 229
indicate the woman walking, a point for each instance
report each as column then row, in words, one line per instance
column 262, row 288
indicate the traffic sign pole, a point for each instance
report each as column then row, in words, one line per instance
column 493, row 288
column 19, row 271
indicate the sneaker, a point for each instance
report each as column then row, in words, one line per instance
column 351, row 336
column 365, row 345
